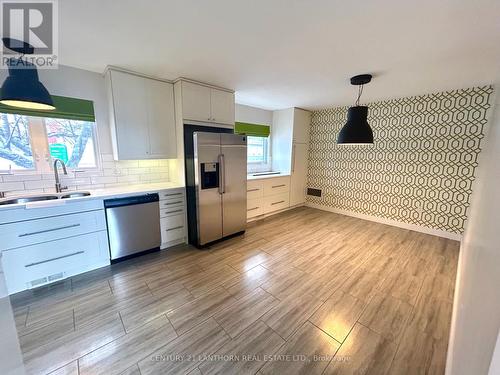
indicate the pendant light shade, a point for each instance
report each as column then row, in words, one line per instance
column 23, row 89
column 357, row 131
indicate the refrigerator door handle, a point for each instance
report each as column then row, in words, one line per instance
column 222, row 174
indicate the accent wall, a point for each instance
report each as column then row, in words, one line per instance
column 421, row 167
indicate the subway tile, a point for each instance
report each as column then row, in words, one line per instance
column 15, row 193
column 135, row 171
column 128, row 179
column 127, row 163
column 108, row 164
column 41, row 184
column 76, row 181
column 148, row 163
column 22, row 177
column 163, row 163
column 10, row 186
column 103, row 180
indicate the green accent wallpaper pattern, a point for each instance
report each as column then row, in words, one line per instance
column 421, row 167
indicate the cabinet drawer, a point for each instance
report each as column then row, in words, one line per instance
column 172, row 228
column 171, row 211
column 34, row 265
column 278, row 185
column 30, row 232
column 172, row 202
column 276, row 202
column 254, row 207
column 171, row 194
column 255, row 189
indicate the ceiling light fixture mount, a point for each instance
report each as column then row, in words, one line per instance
column 357, row 131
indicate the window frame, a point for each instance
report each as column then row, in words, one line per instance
column 39, row 143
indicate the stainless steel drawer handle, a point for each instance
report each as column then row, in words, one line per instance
column 173, row 211
column 49, row 230
column 255, row 208
column 275, row 186
column 252, row 190
column 174, row 228
column 272, row 204
column 52, row 259
column 172, row 194
column 170, row 203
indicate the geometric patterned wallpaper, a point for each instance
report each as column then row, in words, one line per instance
column 422, row 164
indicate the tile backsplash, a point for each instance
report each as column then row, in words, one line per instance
column 110, row 173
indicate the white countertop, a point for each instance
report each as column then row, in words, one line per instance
column 261, row 177
column 107, row 193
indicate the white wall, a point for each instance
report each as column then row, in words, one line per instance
column 252, row 115
column 476, row 310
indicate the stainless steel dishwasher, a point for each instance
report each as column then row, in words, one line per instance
column 133, row 224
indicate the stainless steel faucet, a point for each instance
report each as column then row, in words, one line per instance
column 59, row 188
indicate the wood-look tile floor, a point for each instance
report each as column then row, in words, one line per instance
column 303, row 292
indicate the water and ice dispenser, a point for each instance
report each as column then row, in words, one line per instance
column 209, row 175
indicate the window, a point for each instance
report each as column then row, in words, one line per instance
column 26, row 142
column 15, row 143
column 72, row 141
column 257, row 149
column 258, row 154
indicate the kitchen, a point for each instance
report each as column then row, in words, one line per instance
column 172, row 219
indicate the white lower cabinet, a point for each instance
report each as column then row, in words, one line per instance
column 267, row 195
column 172, row 217
column 30, row 266
column 276, row 202
column 254, row 207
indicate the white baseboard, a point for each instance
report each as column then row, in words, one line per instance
column 414, row 227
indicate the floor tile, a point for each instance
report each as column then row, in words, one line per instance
column 308, row 351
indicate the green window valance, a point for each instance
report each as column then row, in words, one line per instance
column 67, row 108
column 255, row 130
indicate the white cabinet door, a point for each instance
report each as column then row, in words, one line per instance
column 130, row 115
column 301, row 124
column 299, row 174
column 195, row 102
column 222, row 106
column 161, row 120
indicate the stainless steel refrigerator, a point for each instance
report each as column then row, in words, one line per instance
column 220, row 179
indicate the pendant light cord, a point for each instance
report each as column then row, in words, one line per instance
column 360, row 91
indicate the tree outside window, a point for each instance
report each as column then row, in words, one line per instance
column 15, row 143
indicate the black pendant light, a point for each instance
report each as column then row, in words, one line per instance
column 357, row 131
column 22, row 88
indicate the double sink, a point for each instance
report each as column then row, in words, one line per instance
column 45, row 197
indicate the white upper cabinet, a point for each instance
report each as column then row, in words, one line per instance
column 142, row 116
column 129, row 108
column 206, row 104
column 161, row 120
column 301, row 124
column 196, row 102
column 222, row 106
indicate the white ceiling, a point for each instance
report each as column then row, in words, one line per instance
column 283, row 53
